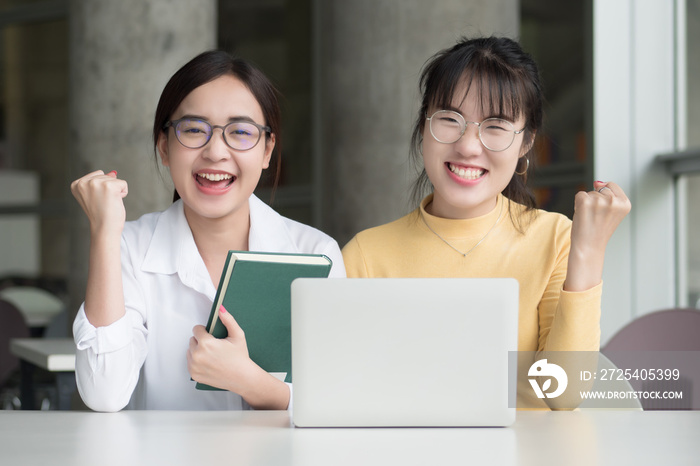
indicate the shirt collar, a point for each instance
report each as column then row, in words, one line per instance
column 173, row 250
column 268, row 230
column 170, row 236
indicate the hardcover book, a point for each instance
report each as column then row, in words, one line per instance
column 255, row 287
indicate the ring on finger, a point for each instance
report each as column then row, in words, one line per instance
column 604, row 187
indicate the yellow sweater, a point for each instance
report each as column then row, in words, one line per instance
column 551, row 319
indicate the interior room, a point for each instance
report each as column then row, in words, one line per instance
column 79, row 82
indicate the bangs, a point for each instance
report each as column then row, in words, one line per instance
column 501, row 91
column 505, row 83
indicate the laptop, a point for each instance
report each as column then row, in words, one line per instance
column 403, row 352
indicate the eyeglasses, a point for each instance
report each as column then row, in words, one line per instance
column 238, row 135
column 495, row 134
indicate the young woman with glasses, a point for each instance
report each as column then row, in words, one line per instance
column 480, row 112
column 151, row 281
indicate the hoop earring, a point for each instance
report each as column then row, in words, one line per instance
column 526, row 168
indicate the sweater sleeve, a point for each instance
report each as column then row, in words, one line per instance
column 569, row 321
column 108, row 359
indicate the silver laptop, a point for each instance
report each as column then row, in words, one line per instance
column 384, row 352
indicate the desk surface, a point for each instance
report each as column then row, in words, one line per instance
column 266, row 438
column 52, row 354
column 38, row 306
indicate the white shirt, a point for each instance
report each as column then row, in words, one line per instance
column 140, row 359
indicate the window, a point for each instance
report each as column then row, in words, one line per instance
column 276, row 37
column 557, row 35
column 33, row 138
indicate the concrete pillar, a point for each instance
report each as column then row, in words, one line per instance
column 369, row 55
column 121, row 55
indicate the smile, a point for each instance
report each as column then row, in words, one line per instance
column 215, row 176
column 214, row 183
column 466, row 173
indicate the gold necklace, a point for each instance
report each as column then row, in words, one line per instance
column 464, row 254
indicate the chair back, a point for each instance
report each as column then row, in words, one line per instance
column 666, row 339
column 667, row 330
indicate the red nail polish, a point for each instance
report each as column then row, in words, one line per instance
column 222, row 309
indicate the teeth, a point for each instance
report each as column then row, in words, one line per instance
column 467, row 173
column 214, row 176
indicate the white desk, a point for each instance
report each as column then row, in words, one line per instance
column 266, row 438
column 38, row 306
column 52, row 354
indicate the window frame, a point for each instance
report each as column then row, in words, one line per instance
column 638, row 106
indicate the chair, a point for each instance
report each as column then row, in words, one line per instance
column 666, row 339
column 666, row 330
column 12, row 325
column 620, row 386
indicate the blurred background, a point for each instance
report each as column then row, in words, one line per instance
column 80, row 79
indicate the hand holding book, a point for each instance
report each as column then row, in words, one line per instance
column 218, row 361
column 255, row 289
column 224, row 362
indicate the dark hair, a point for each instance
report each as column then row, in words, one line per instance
column 206, row 67
column 509, row 85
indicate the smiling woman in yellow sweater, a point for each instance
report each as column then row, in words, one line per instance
column 481, row 110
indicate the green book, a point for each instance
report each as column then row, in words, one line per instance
column 255, row 287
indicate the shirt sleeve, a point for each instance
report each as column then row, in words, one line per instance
column 108, row 359
column 569, row 321
column 575, row 323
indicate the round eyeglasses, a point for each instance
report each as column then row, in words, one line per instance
column 495, row 134
column 238, row 135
